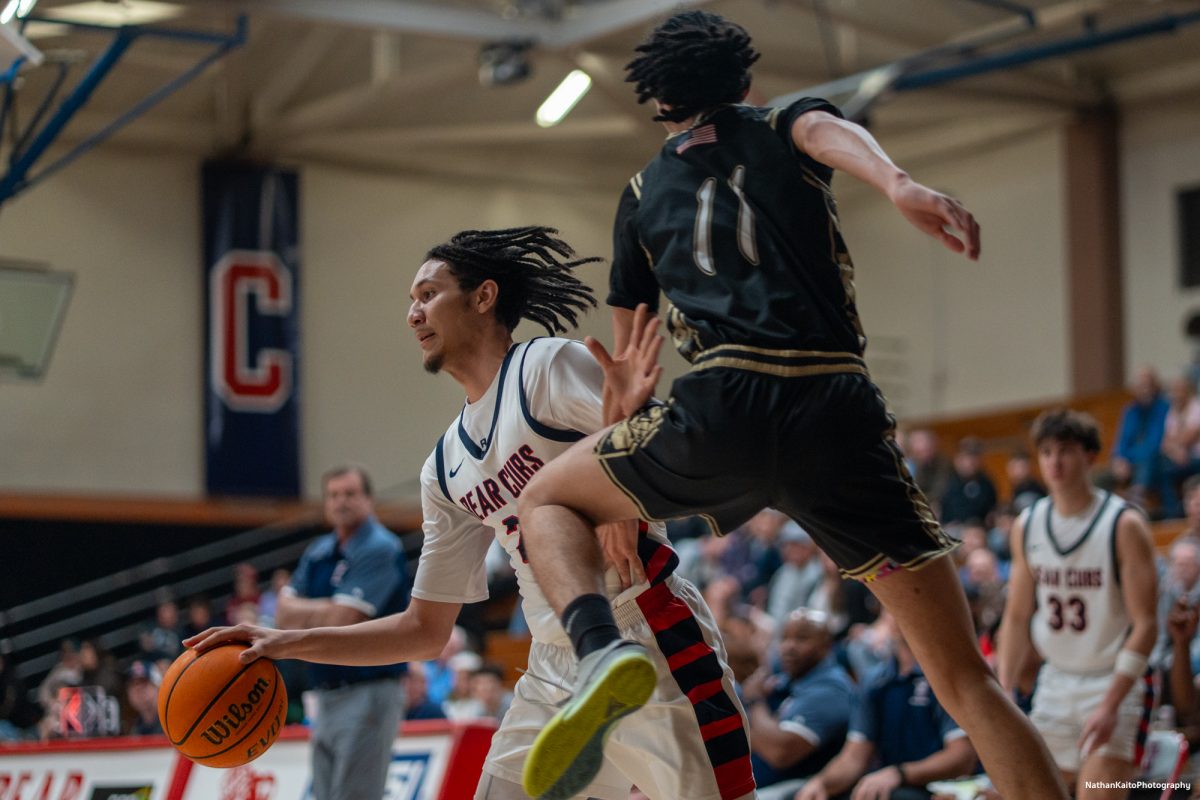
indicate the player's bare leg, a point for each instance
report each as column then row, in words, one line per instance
column 559, row 512
column 931, row 610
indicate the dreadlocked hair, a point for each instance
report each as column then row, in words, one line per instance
column 692, row 62
column 531, row 266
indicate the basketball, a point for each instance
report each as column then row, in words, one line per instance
column 219, row 712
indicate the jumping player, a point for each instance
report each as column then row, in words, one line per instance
column 734, row 220
column 526, row 404
column 1084, row 586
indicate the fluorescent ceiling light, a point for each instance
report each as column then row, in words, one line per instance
column 563, row 99
column 16, row 8
column 122, row 12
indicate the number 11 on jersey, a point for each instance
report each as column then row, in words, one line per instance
column 702, row 231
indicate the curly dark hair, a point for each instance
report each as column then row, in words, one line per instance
column 532, row 268
column 692, row 62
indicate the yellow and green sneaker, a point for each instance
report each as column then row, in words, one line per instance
column 567, row 754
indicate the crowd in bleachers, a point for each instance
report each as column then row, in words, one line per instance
column 130, row 686
column 837, row 653
column 458, row 684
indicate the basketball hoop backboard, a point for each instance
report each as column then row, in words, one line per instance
column 33, row 301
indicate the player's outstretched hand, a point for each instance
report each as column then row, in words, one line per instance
column 619, row 542
column 630, row 376
column 938, row 215
column 264, row 642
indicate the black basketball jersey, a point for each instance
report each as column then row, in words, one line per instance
column 739, row 229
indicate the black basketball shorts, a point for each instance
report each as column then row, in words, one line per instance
column 820, row 448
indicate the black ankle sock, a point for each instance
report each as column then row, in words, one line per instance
column 589, row 622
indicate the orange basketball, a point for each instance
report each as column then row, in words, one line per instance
column 219, row 712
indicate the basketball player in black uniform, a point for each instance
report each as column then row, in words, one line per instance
column 735, row 222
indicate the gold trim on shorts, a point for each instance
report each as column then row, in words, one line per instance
column 780, row 363
column 626, row 438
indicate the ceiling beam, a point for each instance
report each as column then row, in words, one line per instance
column 287, row 80
column 485, row 134
column 553, row 175
column 386, row 56
column 869, row 85
column 1044, row 20
column 231, row 104
column 593, row 21
column 971, row 136
column 1174, row 79
column 150, row 131
column 864, row 24
column 342, row 108
column 582, row 25
column 394, row 15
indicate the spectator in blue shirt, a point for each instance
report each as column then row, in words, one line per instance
column 799, row 715
column 354, row 573
column 900, row 739
column 1138, row 460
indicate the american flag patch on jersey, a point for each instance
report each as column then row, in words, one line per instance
column 705, row 134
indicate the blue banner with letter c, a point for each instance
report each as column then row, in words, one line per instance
column 252, row 331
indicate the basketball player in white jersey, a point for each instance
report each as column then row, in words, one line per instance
column 527, row 403
column 1084, row 589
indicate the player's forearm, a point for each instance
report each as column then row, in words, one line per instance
column 1012, row 642
column 1118, row 687
column 850, row 148
column 388, row 640
column 1140, row 641
column 296, row 612
column 1144, row 633
column 304, row 612
column 777, row 747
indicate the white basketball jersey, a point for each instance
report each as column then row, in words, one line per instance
column 1081, row 620
column 546, row 397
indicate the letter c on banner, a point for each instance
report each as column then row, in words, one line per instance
column 248, row 381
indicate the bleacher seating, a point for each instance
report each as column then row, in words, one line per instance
column 1007, row 429
column 509, row 652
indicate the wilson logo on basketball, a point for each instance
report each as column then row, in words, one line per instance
column 238, row 713
column 218, row 711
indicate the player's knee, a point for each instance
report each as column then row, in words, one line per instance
column 542, row 490
column 530, row 500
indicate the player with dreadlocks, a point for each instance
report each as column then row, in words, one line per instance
column 526, row 403
column 735, row 222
